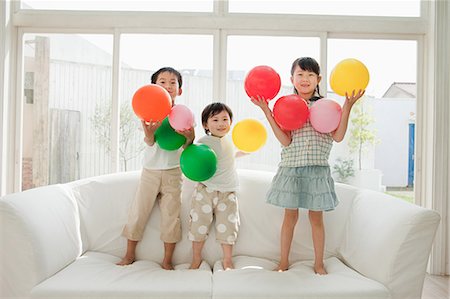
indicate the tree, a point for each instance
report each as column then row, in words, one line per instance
column 361, row 133
column 130, row 144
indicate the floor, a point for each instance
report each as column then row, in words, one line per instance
column 436, row 287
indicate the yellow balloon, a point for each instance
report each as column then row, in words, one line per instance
column 348, row 75
column 249, row 135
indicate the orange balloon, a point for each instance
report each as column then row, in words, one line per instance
column 151, row 103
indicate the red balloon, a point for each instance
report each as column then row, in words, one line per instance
column 151, row 103
column 290, row 112
column 263, row 81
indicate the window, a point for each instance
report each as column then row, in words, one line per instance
column 141, row 56
column 380, row 138
column 246, row 52
column 132, row 5
column 398, row 8
column 67, row 76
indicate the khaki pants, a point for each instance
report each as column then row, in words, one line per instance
column 205, row 205
column 166, row 186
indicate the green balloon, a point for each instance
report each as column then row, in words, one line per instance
column 167, row 138
column 198, row 162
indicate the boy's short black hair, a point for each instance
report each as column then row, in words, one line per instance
column 214, row 109
column 169, row 70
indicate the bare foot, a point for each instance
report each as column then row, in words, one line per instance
column 282, row 267
column 319, row 269
column 167, row 266
column 227, row 264
column 126, row 261
column 195, row 264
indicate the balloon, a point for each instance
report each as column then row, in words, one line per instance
column 249, row 135
column 151, row 103
column 290, row 112
column 263, row 81
column 325, row 115
column 181, row 118
column 198, row 162
column 167, row 138
column 348, row 75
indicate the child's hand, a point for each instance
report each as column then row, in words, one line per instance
column 239, row 154
column 261, row 102
column 350, row 100
column 149, row 130
column 189, row 134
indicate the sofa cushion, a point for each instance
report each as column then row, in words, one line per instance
column 95, row 275
column 103, row 204
column 254, row 278
column 259, row 233
column 40, row 231
column 396, row 238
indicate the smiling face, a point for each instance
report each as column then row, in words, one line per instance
column 169, row 82
column 219, row 124
column 305, row 82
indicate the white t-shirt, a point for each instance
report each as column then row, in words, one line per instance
column 225, row 179
column 156, row 158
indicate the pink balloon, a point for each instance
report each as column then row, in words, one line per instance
column 325, row 115
column 181, row 118
column 290, row 112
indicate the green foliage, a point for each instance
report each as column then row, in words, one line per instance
column 130, row 138
column 361, row 133
column 344, row 169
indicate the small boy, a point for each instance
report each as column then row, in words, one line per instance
column 216, row 197
column 161, row 175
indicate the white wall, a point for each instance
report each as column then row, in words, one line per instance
column 393, row 117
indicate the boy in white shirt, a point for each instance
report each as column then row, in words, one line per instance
column 161, row 176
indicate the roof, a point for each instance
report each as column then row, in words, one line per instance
column 401, row 90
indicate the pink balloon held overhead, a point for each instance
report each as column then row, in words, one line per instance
column 325, row 115
column 181, row 118
column 262, row 81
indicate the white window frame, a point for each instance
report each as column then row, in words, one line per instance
column 221, row 24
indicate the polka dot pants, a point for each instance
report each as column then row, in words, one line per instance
column 207, row 204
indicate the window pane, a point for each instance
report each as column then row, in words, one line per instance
column 400, row 8
column 246, row 52
column 67, row 107
column 141, row 56
column 380, row 138
column 132, row 5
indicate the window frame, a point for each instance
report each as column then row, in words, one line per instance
column 221, row 23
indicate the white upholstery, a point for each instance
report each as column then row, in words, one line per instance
column 95, row 275
column 64, row 240
column 39, row 236
column 299, row 282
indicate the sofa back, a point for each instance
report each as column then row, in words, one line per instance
column 104, row 201
column 39, row 235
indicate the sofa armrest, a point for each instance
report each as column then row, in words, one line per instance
column 389, row 240
column 39, row 236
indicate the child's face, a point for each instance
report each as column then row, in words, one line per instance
column 305, row 82
column 219, row 124
column 170, row 83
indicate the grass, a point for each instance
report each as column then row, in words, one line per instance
column 404, row 195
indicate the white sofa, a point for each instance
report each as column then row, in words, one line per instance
column 63, row 241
